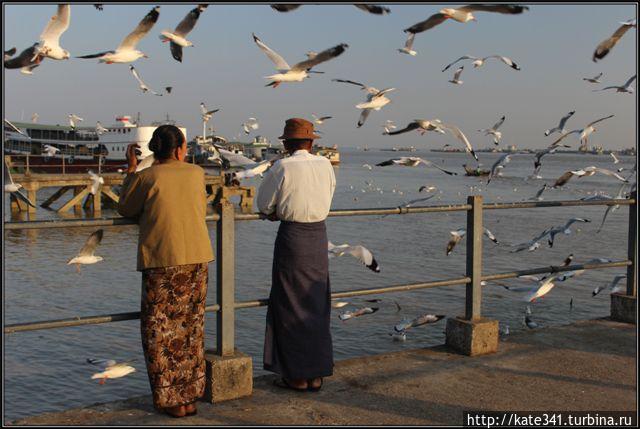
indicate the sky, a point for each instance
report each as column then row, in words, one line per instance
column 553, row 45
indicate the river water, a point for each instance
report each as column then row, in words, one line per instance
column 46, row 371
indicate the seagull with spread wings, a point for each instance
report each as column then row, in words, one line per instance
column 595, row 79
column 320, row 120
column 564, row 229
column 587, row 171
column 87, row 253
column 626, row 87
column 376, row 99
column 299, row 71
column 464, row 14
column 111, row 369
column 607, row 45
column 584, row 133
column 361, row 253
column 457, row 235
column 408, row 46
column 456, row 76
column 560, row 128
column 414, row 161
column 143, row 86
column 493, row 131
column 126, row 52
column 423, row 125
column 478, row 62
column 177, row 37
column 371, row 8
column 49, row 45
column 28, row 60
column 14, row 188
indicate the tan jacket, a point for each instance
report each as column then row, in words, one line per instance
column 169, row 201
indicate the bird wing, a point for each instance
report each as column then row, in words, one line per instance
column 188, row 22
column 615, row 158
column 563, row 179
column 433, row 164
column 464, row 57
column 369, row 89
column 11, row 52
column 497, row 124
column 176, row 51
column 135, row 74
column 508, row 61
column 364, row 255
column 323, row 56
column 373, row 8
column 389, row 162
column 565, row 118
column 611, row 173
column 235, row 159
column 280, row 63
column 58, row 24
column 21, row 196
column 383, row 92
column 606, row 45
column 144, row 26
column 418, row 200
column 104, row 363
column 408, row 44
column 490, row 235
column 92, row 242
column 324, row 118
column 285, row 7
column 460, row 136
column 457, row 74
column 363, row 117
column 511, row 9
column 251, row 172
column 432, row 21
column 631, row 79
column 24, row 59
column 599, row 120
column 99, row 54
column 562, row 137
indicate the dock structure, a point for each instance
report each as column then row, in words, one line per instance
column 585, row 366
column 82, row 197
column 575, row 359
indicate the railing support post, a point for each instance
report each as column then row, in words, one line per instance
column 473, row 300
column 63, row 163
column 229, row 372
column 27, row 171
column 473, row 335
column 623, row 306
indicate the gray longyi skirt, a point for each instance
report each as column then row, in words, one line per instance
column 298, row 333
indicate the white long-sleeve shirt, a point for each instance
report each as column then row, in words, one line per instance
column 298, row 188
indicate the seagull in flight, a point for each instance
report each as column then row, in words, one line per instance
column 456, row 76
column 361, row 253
column 96, row 182
column 49, row 44
column 28, row 60
column 299, row 71
column 612, row 286
column 586, row 171
column 87, row 253
column 408, row 46
column 126, row 52
column 478, row 62
column 457, row 235
column 143, row 86
column 250, row 124
column 73, row 120
column 560, row 128
column 607, row 45
column 320, row 120
column 564, row 229
column 422, row 125
column 14, row 188
column 177, row 37
column 111, row 369
column 498, row 164
column 497, row 135
column 626, row 87
column 413, row 161
column 371, row 8
column 50, row 150
column 584, row 132
column 595, row 79
column 376, row 99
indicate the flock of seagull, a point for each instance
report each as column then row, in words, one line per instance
column 48, row 47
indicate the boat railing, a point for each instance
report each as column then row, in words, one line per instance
column 25, row 162
column 225, row 219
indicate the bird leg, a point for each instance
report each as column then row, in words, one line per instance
column 102, row 381
column 109, row 62
column 78, row 268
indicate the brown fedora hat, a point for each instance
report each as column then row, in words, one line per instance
column 298, row 129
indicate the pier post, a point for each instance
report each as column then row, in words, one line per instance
column 27, row 170
column 623, row 305
column 63, row 169
column 473, row 335
column 229, row 372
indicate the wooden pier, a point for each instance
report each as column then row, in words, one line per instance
column 79, row 185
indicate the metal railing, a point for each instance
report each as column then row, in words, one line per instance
column 225, row 259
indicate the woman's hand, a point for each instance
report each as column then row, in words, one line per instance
column 132, row 159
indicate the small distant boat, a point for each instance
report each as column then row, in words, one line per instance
column 475, row 171
column 331, row 153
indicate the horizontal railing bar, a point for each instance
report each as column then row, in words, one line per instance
column 115, row 221
column 94, row 320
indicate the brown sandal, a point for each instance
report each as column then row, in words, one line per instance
column 311, row 388
column 180, row 409
column 191, row 413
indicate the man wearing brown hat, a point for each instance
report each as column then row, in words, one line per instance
column 297, row 191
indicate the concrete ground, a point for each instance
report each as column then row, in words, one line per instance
column 586, row 366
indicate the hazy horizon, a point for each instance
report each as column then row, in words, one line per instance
column 553, row 45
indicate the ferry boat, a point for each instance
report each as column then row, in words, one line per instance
column 79, row 149
column 331, row 153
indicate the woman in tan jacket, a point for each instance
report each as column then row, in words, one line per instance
column 169, row 201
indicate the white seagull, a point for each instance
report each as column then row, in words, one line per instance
column 361, row 253
column 371, row 8
column 73, row 120
column 357, row 313
column 611, row 286
column 126, row 52
column 50, row 150
column 249, row 125
column 615, row 158
column 86, row 254
column 493, row 131
column 320, row 120
column 299, row 71
column 177, row 37
column 414, row 161
column 586, row 171
column 259, row 169
column 479, row 62
column 408, row 46
column 423, row 125
column 388, row 125
column 28, row 60
column 498, row 164
column 423, row 319
column 619, row 195
column 143, row 87
column 111, row 369
column 564, row 229
column 49, row 45
column 14, row 188
column 34, row 118
column 457, row 235
column 206, row 114
column 460, row 136
column 96, row 182
column 626, row 87
column 584, row 132
column 100, row 129
column 606, row 45
column 464, row 14
column 376, row 99
column 595, row 79
column 532, row 244
column 560, row 128
column 456, row 77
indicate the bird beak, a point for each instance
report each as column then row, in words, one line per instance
column 145, row 56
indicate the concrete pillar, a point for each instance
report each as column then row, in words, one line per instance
column 623, row 308
column 472, row 337
column 228, row 377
